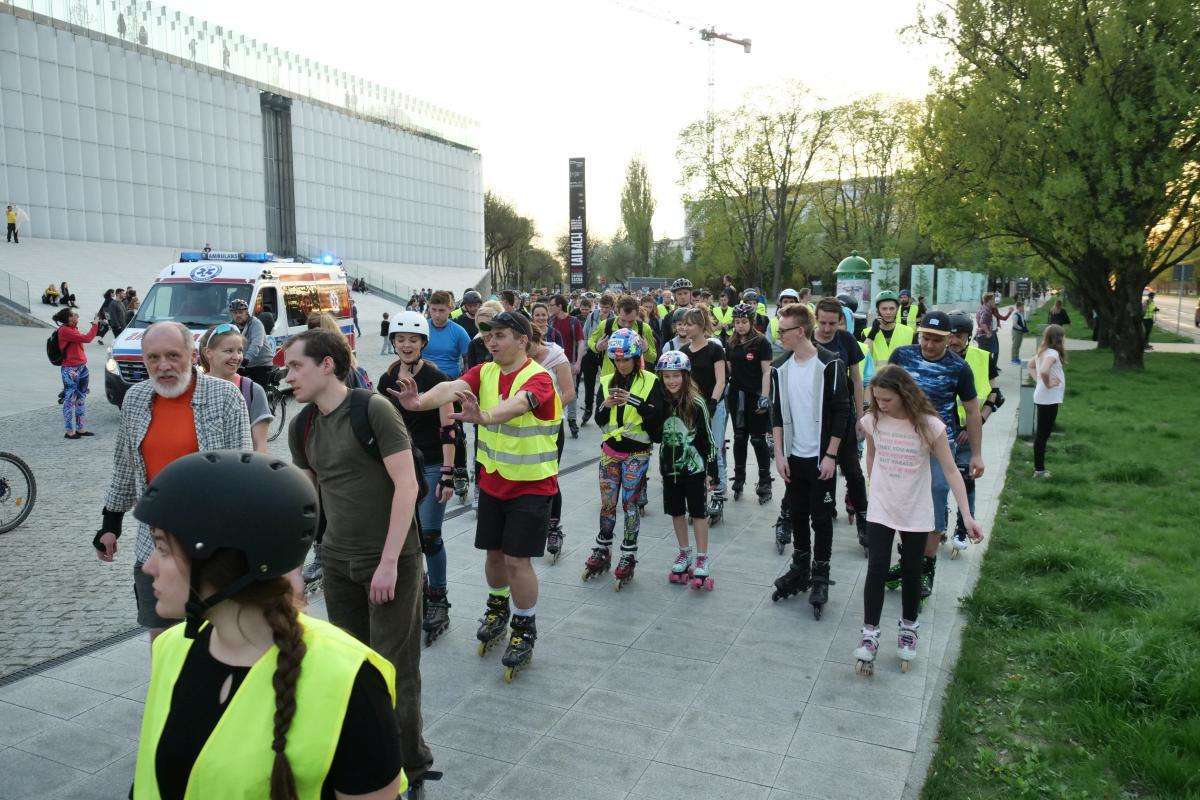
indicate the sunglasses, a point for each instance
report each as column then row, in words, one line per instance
column 506, row 319
column 223, row 328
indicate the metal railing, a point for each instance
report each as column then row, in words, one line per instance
column 15, row 291
column 183, row 36
column 381, row 284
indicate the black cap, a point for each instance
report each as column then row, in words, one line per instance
column 935, row 322
column 516, row 322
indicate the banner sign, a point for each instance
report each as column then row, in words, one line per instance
column 921, row 282
column 577, row 226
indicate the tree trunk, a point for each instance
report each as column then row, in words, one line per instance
column 777, row 273
column 1128, row 335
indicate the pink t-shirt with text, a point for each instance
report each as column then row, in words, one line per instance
column 901, row 486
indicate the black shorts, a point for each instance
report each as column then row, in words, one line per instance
column 147, row 605
column 516, row 527
column 685, row 496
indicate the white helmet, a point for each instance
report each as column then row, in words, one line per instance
column 792, row 293
column 409, row 322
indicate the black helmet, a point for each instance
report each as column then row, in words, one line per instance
column 961, row 322
column 744, row 311
column 227, row 499
column 681, row 283
column 471, row 296
column 848, row 301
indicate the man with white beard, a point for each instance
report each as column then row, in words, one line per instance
column 178, row 410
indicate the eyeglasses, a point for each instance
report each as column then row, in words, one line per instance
column 783, row 330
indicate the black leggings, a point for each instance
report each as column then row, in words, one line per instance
column 556, row 503
column 810, row 499
column 879, row 556
column 749, row 428
column 1046, row 414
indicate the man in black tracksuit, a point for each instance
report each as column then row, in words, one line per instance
column 810, row 413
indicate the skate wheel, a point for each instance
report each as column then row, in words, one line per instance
column 864, row 668
column 509, row 674
column 904, row 666
column 779, row 548
column 554, row 558
column 616, row 586
column 775, row 595
column 482, row 649
column 708, row 584
column 816, row 612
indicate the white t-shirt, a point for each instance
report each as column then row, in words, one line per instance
column 553, row 356
column 804, row 400
column 900, row 496
column 1043, row 396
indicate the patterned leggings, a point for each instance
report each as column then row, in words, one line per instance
column 75, row 391
column 621, row 479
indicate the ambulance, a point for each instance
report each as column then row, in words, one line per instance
column 198, row 289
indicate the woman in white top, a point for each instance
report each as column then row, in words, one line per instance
column 221, row 350
column 555, row 360
column 1047, row 368
column 903, row 434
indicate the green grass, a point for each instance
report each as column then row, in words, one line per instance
column 1078, row 328
column 1080, row 668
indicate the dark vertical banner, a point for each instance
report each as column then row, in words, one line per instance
column 577, row 228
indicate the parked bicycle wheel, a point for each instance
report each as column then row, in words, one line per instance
column 277, row 401
column 18, row 490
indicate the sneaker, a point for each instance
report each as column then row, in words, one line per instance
column 1041, row 473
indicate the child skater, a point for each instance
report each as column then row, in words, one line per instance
column 686, row 456
column 628, row 411
column 903, row 433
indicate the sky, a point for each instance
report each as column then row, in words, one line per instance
column 603, row 79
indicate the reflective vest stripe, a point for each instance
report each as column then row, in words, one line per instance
column 505, row 429
column 513, row 458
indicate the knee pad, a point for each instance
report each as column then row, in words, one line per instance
column 431, row 542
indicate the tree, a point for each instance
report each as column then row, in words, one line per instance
column 506, row 236
column 540, row 267
column 1070, row 127
column 667, row 259
column 637, row 213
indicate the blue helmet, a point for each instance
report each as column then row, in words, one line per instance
column 624, row 343
column 674, row 360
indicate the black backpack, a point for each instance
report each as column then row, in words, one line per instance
column 54, row 350
column 360, row 423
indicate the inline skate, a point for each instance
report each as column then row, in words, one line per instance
column 865, row 654
column 436, row 614
column 928, row 567
column 763, row 490
column 313, row 572
column 554, row 541
column 493, row 623
column 820, row 583
column 738, row 485
column 597, row 563
column 783, row 527
column 795, row 580
column 906, row 644
column 716, row 507
column 519, row 652
column 623, row 574
column 681, row 570
column 461, row 484
column 700, row 576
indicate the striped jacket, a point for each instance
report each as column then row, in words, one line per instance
column 222, row 423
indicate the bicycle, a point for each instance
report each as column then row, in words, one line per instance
column 18, row 490
column 277, row 401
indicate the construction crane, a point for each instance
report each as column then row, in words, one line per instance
column 707, row 34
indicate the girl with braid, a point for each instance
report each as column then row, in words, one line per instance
column 249, row 697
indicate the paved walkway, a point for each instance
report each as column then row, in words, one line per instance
column 653, row 692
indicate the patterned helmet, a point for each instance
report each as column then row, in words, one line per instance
column 745, row 311
column 681, row 283
column 624, row 343
column 750, row 296
column 674, row 360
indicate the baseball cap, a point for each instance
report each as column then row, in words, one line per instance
column 512, row 320
column 935, row 322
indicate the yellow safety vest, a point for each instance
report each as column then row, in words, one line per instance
column 631, row 421
column 236, row 760
column 11, row 216
column 723, row 316
column 881, row 349
column 456, row 313
column 907, row 316
column 664, row 310
column 977, row 359
column 525, row 448
column 1151, row 307
column 761, row 308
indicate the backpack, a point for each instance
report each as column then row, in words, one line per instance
column 54, row 350
column 246, row 387
column 360, row 423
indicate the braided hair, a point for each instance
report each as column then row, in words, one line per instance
column 274, row 599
